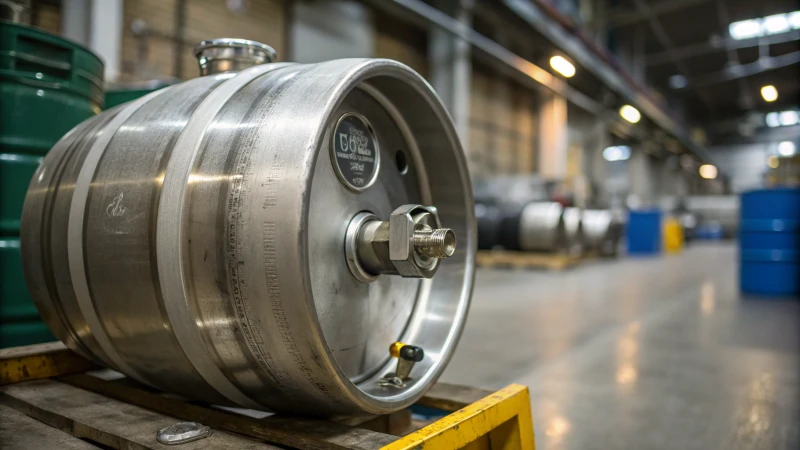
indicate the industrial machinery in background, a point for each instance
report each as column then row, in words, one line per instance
column 705, row 217
column 48, row 85
column 295, row 237
column 548, row 227
column 536, row 226
column 602, row 231
column 573, row 230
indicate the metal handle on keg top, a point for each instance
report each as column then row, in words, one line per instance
column 231, row 55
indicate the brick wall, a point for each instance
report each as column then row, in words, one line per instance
column 46, row 16
column 502, row 113
column 502, row 125
column 401, row 42
column 154, row 56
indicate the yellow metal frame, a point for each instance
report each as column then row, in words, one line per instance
column 499, row 421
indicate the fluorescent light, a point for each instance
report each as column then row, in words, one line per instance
column 788, row 118
column 786, row 148
column 773, row 120
column 769, row 93
column 794, row 20
column 562, row 66
column 745, row 29
column 708, row 171
column 775, row 24
column 617, row 153
column 630, row 114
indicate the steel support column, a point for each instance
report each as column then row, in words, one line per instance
column 450, row 62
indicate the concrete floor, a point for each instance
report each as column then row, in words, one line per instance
column 639, row 353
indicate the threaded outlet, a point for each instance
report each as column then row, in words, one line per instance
column 439, row 243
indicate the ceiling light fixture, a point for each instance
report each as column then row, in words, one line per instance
column 773, row 119
column 745, row 29
column 794, row 20
column 769, row 92
column 617, row 153
column 765, row 26
column 788, row 118
column 775, row 24
column 562, row 66
column 708, row 171
column 630, row 114
column 786, row 148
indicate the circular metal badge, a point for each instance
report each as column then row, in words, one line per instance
column 354, row 152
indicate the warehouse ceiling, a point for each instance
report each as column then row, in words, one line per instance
column 688, row 41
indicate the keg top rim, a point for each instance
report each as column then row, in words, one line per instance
column 209, row 44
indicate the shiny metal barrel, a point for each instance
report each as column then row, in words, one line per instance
column 573, row 230
column 490, row 220
column 195, row 238
column 537, row 226
column 602, row 231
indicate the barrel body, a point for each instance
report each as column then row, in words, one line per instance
column 490, row 220
column 536, row 226
column 644, row 232
column 47, row 86
column 193, row 238
column 602, row 231
column 573, row 230
column 769, row 242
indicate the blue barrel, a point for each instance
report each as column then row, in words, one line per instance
column 769, row 242
column 644, row 232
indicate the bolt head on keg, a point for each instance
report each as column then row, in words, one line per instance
column 231, row 55
column 404, row 223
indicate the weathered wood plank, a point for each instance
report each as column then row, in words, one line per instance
column 452, row 397
column 103, row 420
column 299, row 433
column 20, row 432
column 33, row 362
column 525, row 260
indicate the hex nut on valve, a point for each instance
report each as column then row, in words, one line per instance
column 410, row 244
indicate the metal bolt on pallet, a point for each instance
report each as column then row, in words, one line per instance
column 183, row 432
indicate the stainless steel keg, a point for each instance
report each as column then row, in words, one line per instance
column 573, row 230
column 538, row 226
column 489, row 219
column 291, row 237
column 602, row 231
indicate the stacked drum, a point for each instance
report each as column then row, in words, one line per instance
column 548, row 227
column 270, row 236
column 769, row 242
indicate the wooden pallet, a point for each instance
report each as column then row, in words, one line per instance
column 525, row 260
column 48, row 400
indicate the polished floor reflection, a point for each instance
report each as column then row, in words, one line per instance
column 639, row 354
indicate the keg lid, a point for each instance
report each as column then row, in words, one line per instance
column 229, row 54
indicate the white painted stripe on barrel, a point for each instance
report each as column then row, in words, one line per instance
column 169, row 232
column 77, row 210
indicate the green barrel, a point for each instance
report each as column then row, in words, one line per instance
column 123, row 93
column 47, row 85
